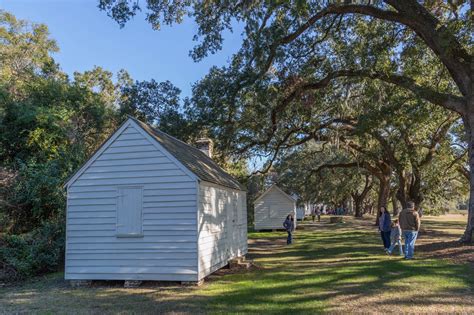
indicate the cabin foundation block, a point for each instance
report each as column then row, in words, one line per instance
column 80, row 283
column 193, row 283
column 239, row 262
column 132, row 283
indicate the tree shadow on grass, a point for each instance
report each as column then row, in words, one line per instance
column 303, row 290
column 326, row 270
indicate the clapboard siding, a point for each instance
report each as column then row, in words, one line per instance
column 133, row 180
column 132, row 136
column 135, row 252
column 94, row 214
column 130, row 149
column 177, row 227
column 164, row 186
column 92, row 207
column 132, row 262
column 158, row 193
column 166, row 216
column 131, row 168
column 131, row 143
column 87, row 244
column 130, row 130
column 111, row 233
column 136, row 275
column 134, row 161
column 149, row 239
column 272, row 208
column 133, row 174
column 168, row 248
column 217, row 240
column 82, row 204
column 126, row 156
column 132, row 256
column 133, row 269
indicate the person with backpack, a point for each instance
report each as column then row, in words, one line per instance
column 289, row 226
column 410, row 224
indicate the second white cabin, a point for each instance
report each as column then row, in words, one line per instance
column 272, row 208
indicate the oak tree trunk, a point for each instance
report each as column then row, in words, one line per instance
column 468, row 120
column 396, row 210
column 384, row 194
column 358, row 203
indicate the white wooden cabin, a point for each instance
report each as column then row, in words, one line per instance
column 147, row 206
column 271, row 209
column 300, row 213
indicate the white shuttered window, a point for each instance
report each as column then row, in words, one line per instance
column 129, row 212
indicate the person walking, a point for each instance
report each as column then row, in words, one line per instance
column 385, row 226
column 318, row 213
column 410, row 224
column 313, row 212
column 289, row 226
column 396, row 238
column 420, row 212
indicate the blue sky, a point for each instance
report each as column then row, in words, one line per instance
column 87, row 37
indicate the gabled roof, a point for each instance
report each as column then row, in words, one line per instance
column 274, row 186
column 192, row 158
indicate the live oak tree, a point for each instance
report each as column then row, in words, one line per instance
column 410, row 136
column 409, row 149
column 310, row 45
column 300, row 172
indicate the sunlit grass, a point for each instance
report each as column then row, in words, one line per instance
column 330, row 268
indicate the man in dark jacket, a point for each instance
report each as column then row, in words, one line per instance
column 410, row 224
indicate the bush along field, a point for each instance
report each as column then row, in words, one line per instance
column 37, row 252
column 330, row 268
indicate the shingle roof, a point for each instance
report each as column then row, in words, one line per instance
column 274, row 186
column 192, row 158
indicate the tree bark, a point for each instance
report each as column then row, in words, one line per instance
column 384, row 194
column 358, row 208
column 409, row 188
column 359, row 198
column 402, row 189
column 396, row 210
column 468, row 120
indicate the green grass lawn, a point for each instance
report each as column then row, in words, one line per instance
column 330, row 268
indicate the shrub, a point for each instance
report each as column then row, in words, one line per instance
column 37, row 195
column 33, row 253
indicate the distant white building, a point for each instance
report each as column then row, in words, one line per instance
column 147, row 206
column 272, row 207
column 301, row 213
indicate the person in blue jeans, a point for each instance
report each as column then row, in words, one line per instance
column 289, row 226
column 410, row 224
column 385, row 227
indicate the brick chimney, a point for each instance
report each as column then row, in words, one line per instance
column 205, row 145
